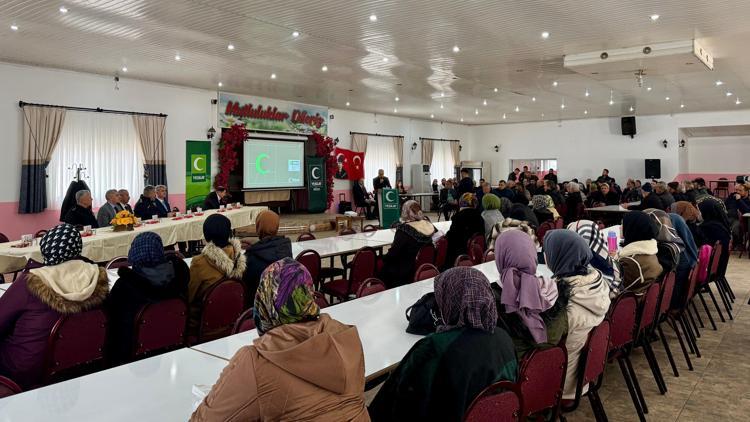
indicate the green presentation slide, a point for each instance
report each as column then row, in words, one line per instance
column 271, row 163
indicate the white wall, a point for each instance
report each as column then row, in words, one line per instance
column 584, row 147
column 728, row 154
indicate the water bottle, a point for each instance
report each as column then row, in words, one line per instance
column 612, row 243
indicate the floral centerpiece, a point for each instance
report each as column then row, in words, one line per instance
column 123, row 221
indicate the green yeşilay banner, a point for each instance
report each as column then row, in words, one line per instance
column 388, row 205
column 317, row 192
column 197, row 172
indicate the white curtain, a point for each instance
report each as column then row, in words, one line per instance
column 380, row 154
column 442, row 165
column 107, row 146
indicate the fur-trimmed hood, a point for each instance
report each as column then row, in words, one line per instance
column 217, row 257
column 71, row 287
column 642, row 247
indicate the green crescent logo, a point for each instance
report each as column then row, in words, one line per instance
column 196, row 163
column 259, row 164
column 388, row 196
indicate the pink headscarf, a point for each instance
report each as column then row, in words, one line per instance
column 523, row 292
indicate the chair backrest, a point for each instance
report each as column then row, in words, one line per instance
column 594, row 357
column 476, row 253
column 500, row 402
column 541, row 380
column 476, row 239
column 426, row 255
column 715, row 260
column 310, row 259
column 345, row 232
column 463, row 261
column 40, row 233
column 8, row 387
column 426, row 271
column 4, row 238
column 370, row 228
column 117, row 262
column 320, row 299
column 305, row 236
column 75, row 343
column 559, row 223
column 667, row 290
column 370, row 286
column 622, row 317
column 174, row 254
column 362, row 268
column 543, row 229
column 649, row 306
column 441, row 252
column 489, row 256
column 704, row 261
column 223, row 303
column 245, row 322
column 160, row 326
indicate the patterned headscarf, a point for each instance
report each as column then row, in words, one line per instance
column 667, row 233
column 267, row 224
column 284, row 296
column 61, row 244
column 147, row 250
column 590, row 232
column 468, row 200
column 687, row 211
column 465, row 299
column 567, row 253
column 411, row 211
column 217, row 229
column 541, row 202
column 490, row 201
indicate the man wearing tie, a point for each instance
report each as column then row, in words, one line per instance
column 109, row 209
column 162, row 203
column 124, row 203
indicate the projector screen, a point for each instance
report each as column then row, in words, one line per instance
column 273, row 163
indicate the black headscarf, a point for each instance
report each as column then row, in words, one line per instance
column 567, row 253
column 637, row 226
column 524, row 213
column 217, row 229
column 714, row 215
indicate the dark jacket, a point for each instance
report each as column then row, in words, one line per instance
column 666, row 199
column 632, row 195
column 551, row 176
column 571, row 206
column 380, row 184
column 164, row 209
column 465, row 224
column 507, row 193
column 145, row 208
column 734, row 205
column 29, row 310
column 557, row 198
column 398, row 263
column 465, row 185
column 444, row 195
column 131, row 292
column 212, row 201
column 360, row 195
column 260, row 255
column 710, row 233
column 650, row 201
column 610, row 198
column 79, row 216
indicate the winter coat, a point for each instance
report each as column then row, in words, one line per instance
column 131, row 292
column 213, row 265
column 146, row 208
column 260, row 255
column 639, row 265
column 79, row 216
column 302, row 371
column 464, row 224
column 32, row 305
column 491, row 217
column 398, row 263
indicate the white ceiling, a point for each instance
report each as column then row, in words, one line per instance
column 500, row 47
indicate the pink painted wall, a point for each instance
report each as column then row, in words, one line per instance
column 707, row 176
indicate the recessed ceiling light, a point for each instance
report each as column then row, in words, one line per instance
column 682, row 105
column 220, row 84
column 348, row 104
column 611, row 97
column 562, row 106
column 654, row 17
column 230, row 47
column 14, row 27
column 395, row 110
column 385, row 59
column 504, row 116
column 554, row 83
column 125, row 69
column 631, row 109
column 719, row 83
column 476, row 111
column 442, row 94
column 545, row 35
column 585, row 112
column 462, row 120
column 456, row 49
column 611, row 102
column 666, row 98
column 177, row 57
column 533, row 99
column 484, row 102
column 432, row 116
column 397, row 99
column 648, row 89
column 273, row 76
column 729, row 94
column 373, row 18
column 738, row 102
column 495, row 89
column 541, row 115
column 586, row 93
column 324, row 68
column 63, row 9
column 295, row 34
column 442, row 106
column 517, row 109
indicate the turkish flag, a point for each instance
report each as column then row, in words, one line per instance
column 350, row 164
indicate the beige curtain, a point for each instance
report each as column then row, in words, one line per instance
column 41, row 131
column 456, row 153
column 427, row 151
column 359, row 142
column 151, row 134
column 398, row 147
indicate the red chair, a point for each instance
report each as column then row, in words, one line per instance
column 223, row 303
column 479, row 240
column 425, row 271
column 8, row 387
column 75, row 345
column 463, row 261
column 310, row 259
column 441, row 252
column 40, row 233
column 476, row 253
column 361, row 268
column 667, row 292
column 591, row 371
column 160, row 327
column 715, row 276
column 713, row 269
column 370, row 228
column 305, row 236
column 500, row 402
column 543, row 229
column 541, row 381
column 320, row 299
column 622, row 319
column 648, row 313
column 117, row 262
column 489, row 256
column 245, row 322
column 426, row 255
column 370, row 286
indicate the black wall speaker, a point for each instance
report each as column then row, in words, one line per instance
column 653, row 169
column 628, row 126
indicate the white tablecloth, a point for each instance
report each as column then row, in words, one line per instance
column 107, row 244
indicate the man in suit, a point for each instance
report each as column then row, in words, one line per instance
column 363, row 199
column 162, row 203
column 146, row 206
column 124, row 202
column 108, row 211
column 215, row 198
column 81, row 214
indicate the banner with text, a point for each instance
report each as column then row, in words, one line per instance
column 317, row 193
column 197, row 172
column 266, row 114
column 388, row 206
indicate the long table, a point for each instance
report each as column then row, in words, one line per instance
column 107, row 244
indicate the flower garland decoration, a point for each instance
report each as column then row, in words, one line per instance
column 228, row 153
column 324, row 147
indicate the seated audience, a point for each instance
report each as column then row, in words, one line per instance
column 503, row 191
column 639, row 265
column 551, row 189
column 269, row 248
column 573, row 202
column 737, row 204
column 675, row 189
column 214, row 200
column 81, row 214
column 521, row 195
column 688, row 259
column 364, row 199
column 65, row 285
column 670, row 245
column 692, row 217
column 715, row 228
column 448, row 199
column 304, row 365
column 484, row 189
column 107, row 212
column 221, row 259
column 568, row 257
column 491, row 214
column 662, row 191
column 412, row 234
column 631, row 192
column 124, row 201
column 146, row 206
column 600, row 259
column 544, row 208
column 700, row 188
column 604, row 196
column 650, row 199
column 690, row 192
column 442, row 373
column 466, row 223
column 152, row 278
column 524, row 213
column 162, row 203
column 532, row 307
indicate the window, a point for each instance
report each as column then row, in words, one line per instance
column 106, row 145
column 380, row 155
column 442, row 165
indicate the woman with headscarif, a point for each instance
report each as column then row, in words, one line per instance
column 466, row 223
column 639, row 265
column 269, row 248
column 412, row 234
